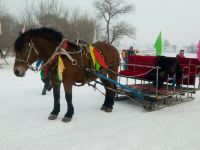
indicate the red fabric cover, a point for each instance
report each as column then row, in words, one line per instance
column 195, row 62
column 190, row 70
column 141, row 60
column 138, row 71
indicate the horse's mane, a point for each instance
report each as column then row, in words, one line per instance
column 38, row 32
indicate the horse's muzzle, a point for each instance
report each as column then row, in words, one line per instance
column 19, row 72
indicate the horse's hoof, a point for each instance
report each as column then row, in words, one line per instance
column 103, row 108
column 66, row 119
column 106, row 109
column 44, row 91
column 52, row 117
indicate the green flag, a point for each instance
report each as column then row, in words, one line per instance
column 158, row 45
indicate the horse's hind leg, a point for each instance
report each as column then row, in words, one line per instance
column 110, row 93
column 109, row 101
column 56, row 109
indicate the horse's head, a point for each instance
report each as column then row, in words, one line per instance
column 26, row 54
column 33, row 44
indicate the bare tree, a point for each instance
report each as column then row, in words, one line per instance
column 81, row 26
column 45, row 13
column 28, row 15
column 174, row 47
column 166, row 44
column 3, row 8
column 74, row 17
column 109, row 10
column 49, row 12
column 192, row 48
column 121, row 29
column 9, row 27
column 86, row 28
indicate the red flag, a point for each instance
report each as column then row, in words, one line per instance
column 198, row 51
column 198, row 46
column 100, row 59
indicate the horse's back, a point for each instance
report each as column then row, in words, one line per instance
column 109, row 52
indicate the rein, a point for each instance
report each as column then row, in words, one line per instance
column 61, row 49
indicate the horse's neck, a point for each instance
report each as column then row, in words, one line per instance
column 45, row 56
column 46, row 50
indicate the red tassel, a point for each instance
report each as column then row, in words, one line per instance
column 64, row 44
column 100, row 59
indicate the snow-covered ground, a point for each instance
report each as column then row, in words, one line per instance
column 24, row 124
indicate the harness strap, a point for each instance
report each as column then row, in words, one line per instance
column 53, row 55
column 63, row 52
column 31, row 45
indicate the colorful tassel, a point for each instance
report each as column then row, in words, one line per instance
column 60, row 69
column 97, row 58
column 92, row 54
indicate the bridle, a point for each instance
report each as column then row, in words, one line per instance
column 26, row 61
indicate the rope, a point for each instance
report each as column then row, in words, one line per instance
column 52, row 56
column 116, row 91
column 123, row 93
column 95, row 87
column 62, row 52
column 131, row 90
column 145, row 73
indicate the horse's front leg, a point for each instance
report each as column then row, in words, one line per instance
column 56, row 95
column 56, row 108
column 68, row 96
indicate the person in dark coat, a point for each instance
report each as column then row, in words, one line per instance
column 46, row 79
column 131, row 51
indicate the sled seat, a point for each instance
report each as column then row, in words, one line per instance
column 191, row 70
column 139, row 66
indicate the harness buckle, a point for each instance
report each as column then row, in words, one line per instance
column 74, row 62
column 31, row 45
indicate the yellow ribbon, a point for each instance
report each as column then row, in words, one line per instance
column 61, row 67
column 92, row 54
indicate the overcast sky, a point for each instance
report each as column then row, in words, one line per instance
column 178, row 20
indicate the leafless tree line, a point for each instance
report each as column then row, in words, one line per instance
column 74, row 24
column 109, row 11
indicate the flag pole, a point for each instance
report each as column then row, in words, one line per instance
column 0, row 29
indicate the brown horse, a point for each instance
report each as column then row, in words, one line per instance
column 47, row 44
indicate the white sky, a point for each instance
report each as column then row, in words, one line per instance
column 179, row 20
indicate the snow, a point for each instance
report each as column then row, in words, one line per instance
column 24, row 124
